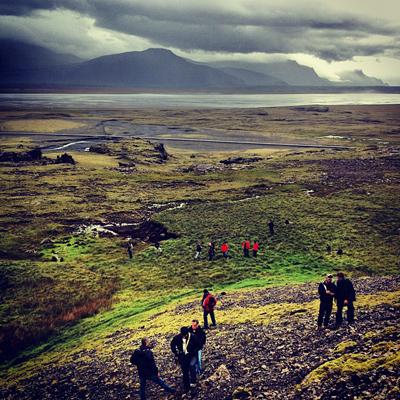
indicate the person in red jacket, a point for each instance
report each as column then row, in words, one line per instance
column 208, row 303
column 256, row 246
column 246, row 248
column 225, row 249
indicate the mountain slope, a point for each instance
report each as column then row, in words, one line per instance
column 288, row 71
column 20, row 55
column 252, row 78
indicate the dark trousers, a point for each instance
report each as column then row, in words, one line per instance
column 130, row 253
column 246, row 252
column 339, row 312
column 210, row 255
column 155, row 379
column 205, row 314
column 325, row 310
column 189, row 370
column 255, row 253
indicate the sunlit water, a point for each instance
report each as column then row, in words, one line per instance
column 202, row 100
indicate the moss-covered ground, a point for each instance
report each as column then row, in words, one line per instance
column 61, row 287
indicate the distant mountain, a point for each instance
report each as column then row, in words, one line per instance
column 253, row 78
column 28, row 65
column 152, row 68
column 287, row 71
column 20, row 55
column 358, row 78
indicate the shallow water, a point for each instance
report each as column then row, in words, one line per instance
column 199, row 100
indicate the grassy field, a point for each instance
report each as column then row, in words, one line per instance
column 62, row 288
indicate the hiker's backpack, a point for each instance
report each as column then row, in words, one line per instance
column 212, row 302
column 136, row 357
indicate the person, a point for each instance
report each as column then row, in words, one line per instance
column 345, row 296
column 129, row 248
column 326, row 291
column 143, row 358
column 246, row 248
column 211, row 251
column 225, row 249
column 198, row 331
column 198, row 250
column 287, row 222
column 208, row 303
column 328, row 248
column 185, row 347
column 271, row 227
column 256, row 247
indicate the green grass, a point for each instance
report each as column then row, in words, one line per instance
column 51, row 307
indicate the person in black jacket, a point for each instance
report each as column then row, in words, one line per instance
column 326, row 291
column 345, row 296
column 198, row 331
column 185, row 347
column 147, row 369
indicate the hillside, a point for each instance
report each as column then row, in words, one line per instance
column 74, row 305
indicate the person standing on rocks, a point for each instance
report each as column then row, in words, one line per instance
column 225, row 249
column 198, row 250
column 198, row 331
column 345, row 296
column 143, row 358
column 211, row 251
column 256, row 247
column 185, row 347
column 208, row 303
column 246, row 248
column 326, row 291
column 271, row 227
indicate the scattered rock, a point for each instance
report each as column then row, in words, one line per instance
column 240, row 160
column 65, row 159
column 161, row 149
column 312, row 109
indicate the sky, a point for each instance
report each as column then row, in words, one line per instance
column 329, row 36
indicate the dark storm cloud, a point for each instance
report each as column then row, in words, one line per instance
column 242, row 26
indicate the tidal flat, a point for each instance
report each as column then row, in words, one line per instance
column 69, row 292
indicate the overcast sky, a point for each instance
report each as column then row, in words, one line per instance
column 330, row 36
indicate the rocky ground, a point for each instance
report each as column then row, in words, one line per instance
column 287, row 358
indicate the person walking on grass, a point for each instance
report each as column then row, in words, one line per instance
column 225, row 249
column 208, row 303
column 198, row 250
column 271, row 226
column 256, row 247
column 211, row 251
column 143, row 358
column 185, row 347
column 198, row 331
column 129, row 248
column 345, row 296
column 246, row 248
column 326, row 291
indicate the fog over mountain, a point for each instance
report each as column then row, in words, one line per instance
column 26, row 64
column 329, row 37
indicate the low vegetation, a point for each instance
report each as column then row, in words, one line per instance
column 65, row 279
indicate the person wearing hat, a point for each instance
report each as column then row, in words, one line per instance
column 185, row 347
column 326, row 291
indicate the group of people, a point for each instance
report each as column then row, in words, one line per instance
column 246, row 247
column 186, row 347
column 344, row 294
